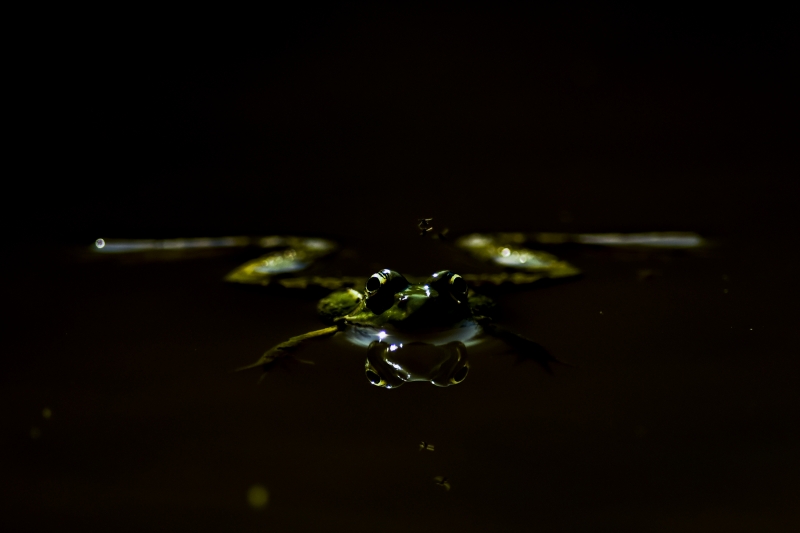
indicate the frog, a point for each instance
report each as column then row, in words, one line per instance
column 413, row 329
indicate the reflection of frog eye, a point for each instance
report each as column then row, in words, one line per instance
column 374, row 378
column 460, row 374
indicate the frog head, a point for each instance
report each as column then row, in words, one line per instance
column 414, row 330
column 390, row 299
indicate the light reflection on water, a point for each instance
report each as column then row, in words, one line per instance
column 467, row 332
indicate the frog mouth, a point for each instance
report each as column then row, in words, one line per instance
column 391, row 365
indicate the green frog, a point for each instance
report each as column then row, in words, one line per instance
column 412, row 330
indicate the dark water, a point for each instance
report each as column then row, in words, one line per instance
column 681, row 412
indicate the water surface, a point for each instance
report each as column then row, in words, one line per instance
column 680, row 413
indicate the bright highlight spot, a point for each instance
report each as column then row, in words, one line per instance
column 382, row 335
column 257, row 496
column 100, row 243
column 47, row 413
column 318, row 244
column 393, row 347
column 476, row 240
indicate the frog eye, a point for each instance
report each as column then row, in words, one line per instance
column 450, row 283
column 385, row 278
column 460, row 374
column 376, row 281
column 374, row 378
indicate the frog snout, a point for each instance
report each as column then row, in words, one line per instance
column 414, row 301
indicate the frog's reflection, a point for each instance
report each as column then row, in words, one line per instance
column 391, row 365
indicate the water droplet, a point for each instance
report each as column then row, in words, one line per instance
column 100, row 243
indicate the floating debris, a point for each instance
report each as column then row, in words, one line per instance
column 507, row 250
column 299, row 253
column 424, row 226
column 425, row 446
column 442, row 482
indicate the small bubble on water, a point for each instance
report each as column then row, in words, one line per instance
column 257, row 496
column 100, row 243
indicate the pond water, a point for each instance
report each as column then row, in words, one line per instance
column 680, row 413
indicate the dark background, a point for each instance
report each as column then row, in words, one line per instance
column 359, row 119
column 681, row 412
